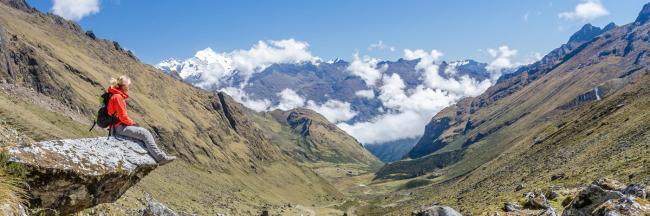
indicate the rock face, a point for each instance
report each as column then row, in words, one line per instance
column 437, row 211
column 68, row 176
column 610, row 197
column 155, row 208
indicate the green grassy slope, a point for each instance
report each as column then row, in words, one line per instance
column 523, row 130
column 52, row 73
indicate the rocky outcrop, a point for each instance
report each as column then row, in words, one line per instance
column 67, row 176
column 155, row 208
column 436, row 210
column 610, row 197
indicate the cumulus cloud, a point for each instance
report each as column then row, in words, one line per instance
column 586, row 10
column 242, row 97
column 367, row 69
column 75, row 9
column 289, row 99
column 370, row 94
column 502, row 59
column 333, row 110
column 380, row 46
column 404, row 110
column 432, row 79
column 207, row 68
column 408, row 111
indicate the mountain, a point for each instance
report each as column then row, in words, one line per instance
column 392, row 151
column 577, row 114
column 319, row 140
column 332, row 88
column 52, row 72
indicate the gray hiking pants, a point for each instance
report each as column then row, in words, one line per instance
column 142, row 134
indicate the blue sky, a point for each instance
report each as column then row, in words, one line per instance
column 461, row 29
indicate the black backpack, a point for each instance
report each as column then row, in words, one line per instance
column 104, row 119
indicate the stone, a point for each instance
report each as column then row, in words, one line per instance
column 557, row 176
column 536, row 201
column 628, row 205
column 91, row 35
column 436, row 210
column 552, row 194
column 589, row 199
column 512, row 207
column 13, row 210
column 155, row 208
column 638, row 190
column 67, row 176
column 520, row 187
column 609, row 184
column 547, row 212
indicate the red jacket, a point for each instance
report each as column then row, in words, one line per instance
column 117, row 106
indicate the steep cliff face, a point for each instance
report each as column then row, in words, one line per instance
column 52, row 72
column 578, row 112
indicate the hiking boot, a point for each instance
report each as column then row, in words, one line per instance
column 166, row 159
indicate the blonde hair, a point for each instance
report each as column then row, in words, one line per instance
column 121, row 81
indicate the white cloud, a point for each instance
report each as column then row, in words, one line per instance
column 289, row 99
column 333, row 110
column 370, row 94
column 586, row 10
column 367, row 69
column 380, row 46
column 241, row 96
column 404, row 110
column 75, row 9
column 408, row 112
column 503, row 59
column 207, row 68
column 432, row 79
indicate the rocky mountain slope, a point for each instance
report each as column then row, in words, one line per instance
column 579, row 113
column 52, row 72
column 314, row 139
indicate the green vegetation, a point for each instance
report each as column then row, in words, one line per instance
column 12, row 194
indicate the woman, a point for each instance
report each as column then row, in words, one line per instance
column 125, row 126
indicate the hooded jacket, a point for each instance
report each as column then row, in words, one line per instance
column 117, row 106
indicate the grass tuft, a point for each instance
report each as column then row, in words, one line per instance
column 12, row 195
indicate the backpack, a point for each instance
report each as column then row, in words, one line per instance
column 104, row 119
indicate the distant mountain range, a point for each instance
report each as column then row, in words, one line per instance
column 327, row 84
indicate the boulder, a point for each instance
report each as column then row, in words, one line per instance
column 628, row 205
column 638, row 190
column 155, row 208
column 512, row 207
column 436, row 211
column 609, row 184
column 592, row 198
column 536, row 201
column 67, row 176
column 547, row 212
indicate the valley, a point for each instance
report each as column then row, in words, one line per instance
column 539, row 139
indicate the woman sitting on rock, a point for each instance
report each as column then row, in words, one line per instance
column 125, row 126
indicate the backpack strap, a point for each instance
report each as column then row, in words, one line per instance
column 91, row 127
